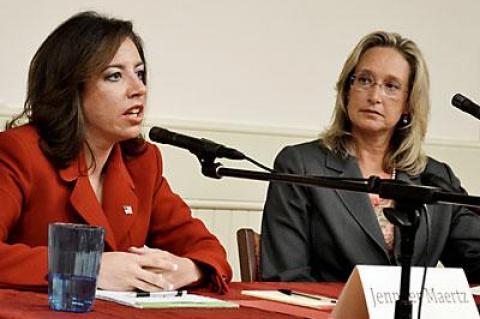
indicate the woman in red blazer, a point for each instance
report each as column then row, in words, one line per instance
column 81, row 159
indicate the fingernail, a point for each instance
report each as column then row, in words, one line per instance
column 175, row 267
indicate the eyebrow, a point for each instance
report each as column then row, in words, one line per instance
column 121, row 66
column 388, row 77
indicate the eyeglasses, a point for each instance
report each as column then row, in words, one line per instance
column 365, row 82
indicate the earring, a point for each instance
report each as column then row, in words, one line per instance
column 404, row 119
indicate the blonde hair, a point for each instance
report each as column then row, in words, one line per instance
column 405, row 152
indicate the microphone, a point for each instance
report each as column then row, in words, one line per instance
column 202, row 148
column 467, row 106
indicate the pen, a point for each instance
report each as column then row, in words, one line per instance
column 165, row 294
column 298, row 293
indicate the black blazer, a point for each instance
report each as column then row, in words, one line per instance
column 319, row 234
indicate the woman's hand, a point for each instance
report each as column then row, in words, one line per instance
column 176, row 271
column 129, row 271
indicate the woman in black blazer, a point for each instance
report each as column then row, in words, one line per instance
column 378, row 128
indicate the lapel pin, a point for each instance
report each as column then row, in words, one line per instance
column 127, row 210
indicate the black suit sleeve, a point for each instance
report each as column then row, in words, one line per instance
column 285, row 244
column 463, row 245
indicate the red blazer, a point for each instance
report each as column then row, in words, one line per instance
column 33, row 193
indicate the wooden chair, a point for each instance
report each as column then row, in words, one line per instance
column 249, row 252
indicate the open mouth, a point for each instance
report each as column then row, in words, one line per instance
column 135, row 111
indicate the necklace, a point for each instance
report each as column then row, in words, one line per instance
column 378, row 205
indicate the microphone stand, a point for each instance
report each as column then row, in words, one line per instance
column 407, row 218
column 409, row 200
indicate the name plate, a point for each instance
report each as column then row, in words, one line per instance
column 371, row 292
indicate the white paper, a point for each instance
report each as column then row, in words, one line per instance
column 475, row 290
column 276, row 295
column 186, row 300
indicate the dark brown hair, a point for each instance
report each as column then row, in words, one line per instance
column 77, row 49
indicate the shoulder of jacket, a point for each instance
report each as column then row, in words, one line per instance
column 435, row 166
column 308, row 149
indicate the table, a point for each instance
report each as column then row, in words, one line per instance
column 16, row 304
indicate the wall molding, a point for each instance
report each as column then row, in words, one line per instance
column 207, row 126
column 223, row 205
column 239, row 128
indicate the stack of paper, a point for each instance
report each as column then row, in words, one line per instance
column 294, row 299
column 167, row 299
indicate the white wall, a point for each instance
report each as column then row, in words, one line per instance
column 262, row 62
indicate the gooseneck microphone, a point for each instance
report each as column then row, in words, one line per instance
column 466, row 105
column 202, row 148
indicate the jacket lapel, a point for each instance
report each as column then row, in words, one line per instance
column 357, row 204
column 120, row 202
column 83, row 198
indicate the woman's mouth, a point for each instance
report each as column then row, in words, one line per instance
column 370, row 111
column 135, row 111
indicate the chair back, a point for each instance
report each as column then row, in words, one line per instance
column 249, row 252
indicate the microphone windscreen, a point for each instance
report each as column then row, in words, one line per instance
column 159, row 134
column 466, row 105
column 459, row 100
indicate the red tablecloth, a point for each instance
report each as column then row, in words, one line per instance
column 26, row 305
column 16, row 304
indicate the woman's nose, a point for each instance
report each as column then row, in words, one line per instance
column 375, row 93
column 137, row 87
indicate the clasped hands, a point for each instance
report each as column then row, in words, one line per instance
column 147, row 269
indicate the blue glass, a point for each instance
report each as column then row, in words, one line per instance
column 74, row 253
column 71, row 293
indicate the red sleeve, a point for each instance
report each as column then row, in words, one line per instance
column 20, row 265
column 174, row 229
